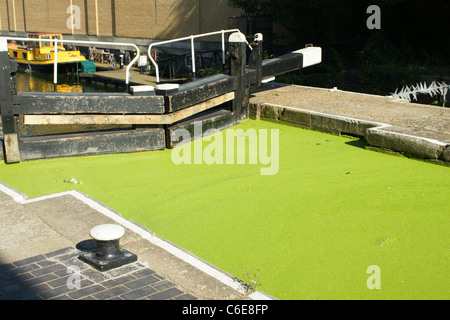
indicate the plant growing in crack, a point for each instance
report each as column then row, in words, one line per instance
column 251, row 281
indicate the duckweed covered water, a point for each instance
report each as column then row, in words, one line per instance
column 312, row 230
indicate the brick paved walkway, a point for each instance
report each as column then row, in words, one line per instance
column 61, row 275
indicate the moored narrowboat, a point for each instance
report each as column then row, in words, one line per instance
column 40, row 55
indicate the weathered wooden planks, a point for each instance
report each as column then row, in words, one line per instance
column 96, row 119
column 286, row 63
column 211, row 119
column 7, row 70
column 7, row 73
column 90, row 143
column 1, row 150
column 198, row 91
column 295, row 60
column 76, row 103
column 200, row 107
column 238, row 61
column 110, row 119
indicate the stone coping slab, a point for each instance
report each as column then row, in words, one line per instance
column 415, row 130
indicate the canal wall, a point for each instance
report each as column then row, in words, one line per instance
column 392, row 125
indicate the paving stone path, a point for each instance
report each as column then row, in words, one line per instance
column 61, row 275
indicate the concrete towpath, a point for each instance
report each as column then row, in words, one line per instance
column 416, row 130
column 42, row 238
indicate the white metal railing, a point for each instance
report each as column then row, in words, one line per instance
column 191, row 38
column 127, row 80
column 56, row 41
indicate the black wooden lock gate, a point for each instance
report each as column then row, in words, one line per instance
column 219, row 101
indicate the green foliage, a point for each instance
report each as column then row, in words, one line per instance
column 382, row 79
column 215, row 68
column 206, row 72
column 267, row 55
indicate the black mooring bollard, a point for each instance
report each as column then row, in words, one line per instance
column 108, row 254
column 107, row 238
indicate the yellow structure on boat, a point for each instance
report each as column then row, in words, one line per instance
column 41, row 53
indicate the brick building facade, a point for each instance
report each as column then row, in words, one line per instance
column 140, row 19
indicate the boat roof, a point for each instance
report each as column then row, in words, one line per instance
column 45, row 34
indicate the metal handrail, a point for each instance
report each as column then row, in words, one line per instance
column 56, row 41
column 191, row 38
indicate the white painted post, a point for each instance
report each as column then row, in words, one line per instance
column 3, row 45
column 223, row 47
column 55, row 66
column 193, row 57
